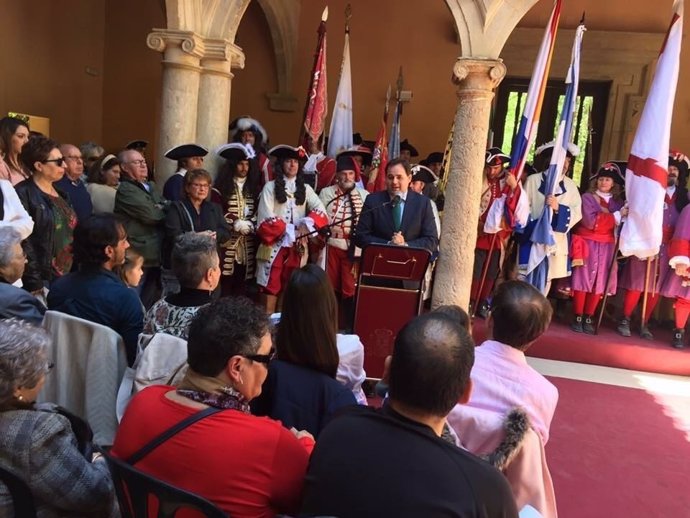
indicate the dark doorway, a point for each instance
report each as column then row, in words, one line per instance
column 588, row 127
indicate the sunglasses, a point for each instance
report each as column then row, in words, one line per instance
column 262, row 358
column 58, row 161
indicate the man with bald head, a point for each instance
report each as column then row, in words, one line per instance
column 143, row 211
column 401, row 465
column 72, row 184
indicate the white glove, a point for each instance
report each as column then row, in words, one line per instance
column 242, row 226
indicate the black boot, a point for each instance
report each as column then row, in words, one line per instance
column 624, row 327
column 646, row 333
column 577, row 324
column 588, row 325
column 678, row 338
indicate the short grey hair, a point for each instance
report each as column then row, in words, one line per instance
column 9, row 236
column 23, row 357
column 91, row 148
column 192, row 256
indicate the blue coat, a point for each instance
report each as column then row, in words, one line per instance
column 301, row 397
column 418, row 225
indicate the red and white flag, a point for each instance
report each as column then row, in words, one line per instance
column 647, row 171
column 317, row 98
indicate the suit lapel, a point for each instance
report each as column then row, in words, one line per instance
column 408, row 210
column 388, row 211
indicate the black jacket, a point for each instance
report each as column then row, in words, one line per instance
column 182, row 217
column 38, row 247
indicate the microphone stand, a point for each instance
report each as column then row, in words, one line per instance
column 325, row 230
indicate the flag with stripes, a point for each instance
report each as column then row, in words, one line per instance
column 542, row 235
column 647, row 170
column 527, row 132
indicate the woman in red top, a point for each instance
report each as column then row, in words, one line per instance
column 594, row 243
column 248, row 466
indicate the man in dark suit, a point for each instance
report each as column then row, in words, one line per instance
column 398, row 215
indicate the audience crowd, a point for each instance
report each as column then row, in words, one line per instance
column 268, row 416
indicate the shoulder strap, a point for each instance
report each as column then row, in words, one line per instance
column 167, row 434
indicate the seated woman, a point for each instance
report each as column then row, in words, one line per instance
column 104, row 177
column 196, row 266
column 39, row 446
column 301, row 390
column 193, row 213
column 15, row 302
column 246, row 465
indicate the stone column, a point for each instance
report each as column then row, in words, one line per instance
column 475, row 80
column 182, row 52
column 213, row 112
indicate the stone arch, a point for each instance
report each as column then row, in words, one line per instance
column 483, row 26
column 283, row 21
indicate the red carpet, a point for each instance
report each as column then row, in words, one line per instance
column 617, row 452
column 607, row 348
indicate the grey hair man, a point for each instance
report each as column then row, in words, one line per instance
column 401, row 444
column 72, row 184
column 14, row 301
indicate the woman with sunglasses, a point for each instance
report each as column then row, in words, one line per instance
column 37, row 443
column 49, row 248
column 248, row 466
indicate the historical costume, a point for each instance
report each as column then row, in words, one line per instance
column 490, row 246
column 288, row 209
column 188, row 156
column 565, row 216
column 594, row 245
column 343, row 202
column 237, row 185
column 662, row 280
column 252, row 134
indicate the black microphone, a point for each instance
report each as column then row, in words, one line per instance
column 344, row 193
column 395, row 201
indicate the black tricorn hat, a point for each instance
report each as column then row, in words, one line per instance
column 283, row 151
column 234, row 151
column 136, row 144
column 406, row 145
column 360, row 150
column 614, row 169
column 434, row 158
column 186, row 151
column 421, row 173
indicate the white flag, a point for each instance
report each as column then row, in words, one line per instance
column 647, row 170
column 340, row 135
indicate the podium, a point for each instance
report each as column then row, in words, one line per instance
column 389, row 294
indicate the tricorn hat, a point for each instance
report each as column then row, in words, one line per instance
column 246, row 123
column 614, row 169
column 283, row 152
column 234, row 151
column 421, row 173
column 360, row 150
column 406, row 145
column 136, row 144
column 495, row 156
column 185, row 151
column 434, row 158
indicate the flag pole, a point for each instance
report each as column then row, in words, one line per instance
column 608, row 279
column 645, row 295
column 485, row 271
column 320, row 43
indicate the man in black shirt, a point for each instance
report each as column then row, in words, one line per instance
column 393, row 462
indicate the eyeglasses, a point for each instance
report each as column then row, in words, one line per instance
column 137, row 162
column 262, row 358
column 57, row 161
column 74, row 158
column 199, row 185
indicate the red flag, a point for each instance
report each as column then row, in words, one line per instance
column 377, row 174
column 317, row 99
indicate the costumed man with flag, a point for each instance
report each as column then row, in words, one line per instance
column 497, row 181
column 289, row 209
column 660, row 281
column 647, row 177
column 343, row 202
column 566, row 205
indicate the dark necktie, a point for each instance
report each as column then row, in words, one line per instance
column 397, row 215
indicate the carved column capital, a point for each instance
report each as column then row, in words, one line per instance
column 471, row 74
column 187, row 42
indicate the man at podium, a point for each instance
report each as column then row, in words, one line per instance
column 398, row 215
